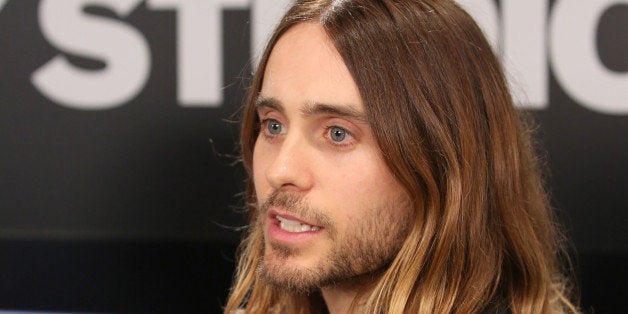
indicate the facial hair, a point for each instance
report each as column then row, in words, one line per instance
column 366, row 248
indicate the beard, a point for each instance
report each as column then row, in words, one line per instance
column 356, row 257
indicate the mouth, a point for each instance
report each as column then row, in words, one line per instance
column 294, row 226
column 291, row 231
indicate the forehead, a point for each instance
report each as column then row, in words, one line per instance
column 305, row 67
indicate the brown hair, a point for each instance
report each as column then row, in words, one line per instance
column 485, row 238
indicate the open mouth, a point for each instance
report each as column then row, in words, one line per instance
column 294, row 226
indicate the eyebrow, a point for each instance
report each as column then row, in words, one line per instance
column 268, row 102
column 316, row 108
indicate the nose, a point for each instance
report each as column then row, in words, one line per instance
column 291, row 167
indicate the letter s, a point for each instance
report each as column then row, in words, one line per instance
column 122, row 48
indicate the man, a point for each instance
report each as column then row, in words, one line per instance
column 389, row 172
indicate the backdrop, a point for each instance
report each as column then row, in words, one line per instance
column 119, row 182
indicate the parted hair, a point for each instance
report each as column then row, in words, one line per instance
column 484, row 239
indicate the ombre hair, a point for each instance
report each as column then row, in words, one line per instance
column 484, row 238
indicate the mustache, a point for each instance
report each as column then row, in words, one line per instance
column 290, row 202
column 296, row 205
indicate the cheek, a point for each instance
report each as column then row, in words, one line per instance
column 375, row 184
column 259, row 168
column 360, row 189
column 369, row 179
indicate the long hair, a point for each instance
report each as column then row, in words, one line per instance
column 484, row 237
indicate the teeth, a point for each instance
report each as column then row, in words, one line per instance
column 294, row 226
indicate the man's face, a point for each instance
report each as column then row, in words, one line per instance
column 330, row 208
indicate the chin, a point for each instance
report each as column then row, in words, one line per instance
column 294, row 273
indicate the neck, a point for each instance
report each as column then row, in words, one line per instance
column 340, row 297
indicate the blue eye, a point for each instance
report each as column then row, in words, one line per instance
column 337, row 134
column 274, row 127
